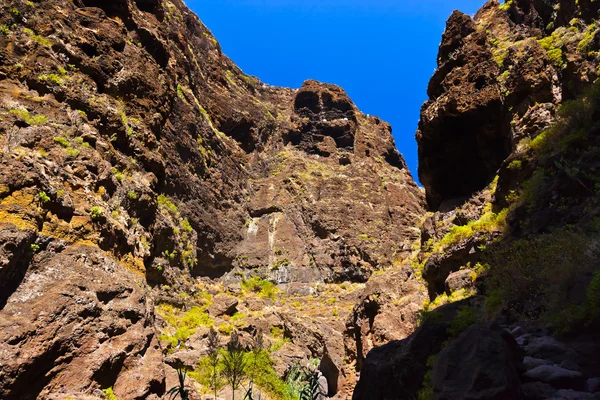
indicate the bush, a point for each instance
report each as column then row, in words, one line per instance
column 96, row 212
column 465, row 318
column 533, row 275
column 261, row 286
column 23, row 115
column 109, row 394
column 51, row 78
column 44, row 198
column 225, row 328
column 487, row 223
column 163, row 201
column 185, row 324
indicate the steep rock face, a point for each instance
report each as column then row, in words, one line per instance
column 480, row 364
column 518, row 83
column 464, row 133
column 336, row 215
column 498, row 82
column 128, row 136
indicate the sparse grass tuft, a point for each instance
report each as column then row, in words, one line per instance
column 24, row 116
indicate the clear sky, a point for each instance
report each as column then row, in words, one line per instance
column 382, row 52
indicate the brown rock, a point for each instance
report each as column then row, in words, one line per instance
column 458, row 280
column 223, row 305
column 78, row 321
column 480, row 364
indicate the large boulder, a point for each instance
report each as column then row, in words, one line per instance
column 396, row 370
column 480, row 364
column 223, row 305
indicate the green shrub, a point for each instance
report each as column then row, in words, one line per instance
column 426, row 391
column 119, row 176
column 515, row 165
column 64, row 142
column 493, row 302
column 37, row 38
column 44, row 198
column 535, row 273
column 131, row 195
column 51, row 78
column 35, row 248
column 465, row 317
column 180, row 93
column 185, row 324
column 506, row 5
column 4, row 30
column 163, row 201
column 185, row 225
column 72, row 152
column 260, row 286
column 592, row 302
column 96, row 213
column 556, row 58
column 225, row 328
column 109, row 394
column 488, row 222
column 24, row 116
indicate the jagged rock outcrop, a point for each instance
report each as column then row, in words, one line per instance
column 508, row 147
column 497, row 82
column 133, row 147
column 464, row 131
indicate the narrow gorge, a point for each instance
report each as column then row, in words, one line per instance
column 152, row 194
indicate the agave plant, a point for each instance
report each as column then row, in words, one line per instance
column 312, row 388
column 304, row 383
column 179, row 390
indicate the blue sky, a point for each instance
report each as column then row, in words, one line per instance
column 382, row 52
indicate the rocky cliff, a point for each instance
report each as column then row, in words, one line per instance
column 150, row 190
column 145, row 178
column 508, row 154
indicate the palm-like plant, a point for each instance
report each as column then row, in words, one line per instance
column 179, row 390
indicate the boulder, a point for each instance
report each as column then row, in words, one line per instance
column 593, row 385
column 222, row 305
column 480, row 364
column 537, row 391
column 531, row 362
column 78, row 321
column 462, row 279
column 395, row 370
column 569, row 394
column 556, row 376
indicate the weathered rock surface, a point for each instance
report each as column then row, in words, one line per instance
column 222, row 304
column 480, row 364
column 125, row 129
column 78, row 322
column 386, row 310
column 397, row 369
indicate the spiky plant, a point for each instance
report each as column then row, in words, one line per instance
column 180, row 389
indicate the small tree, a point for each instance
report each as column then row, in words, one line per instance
column 258, row 345
column 234, row 365
column 214, row 358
